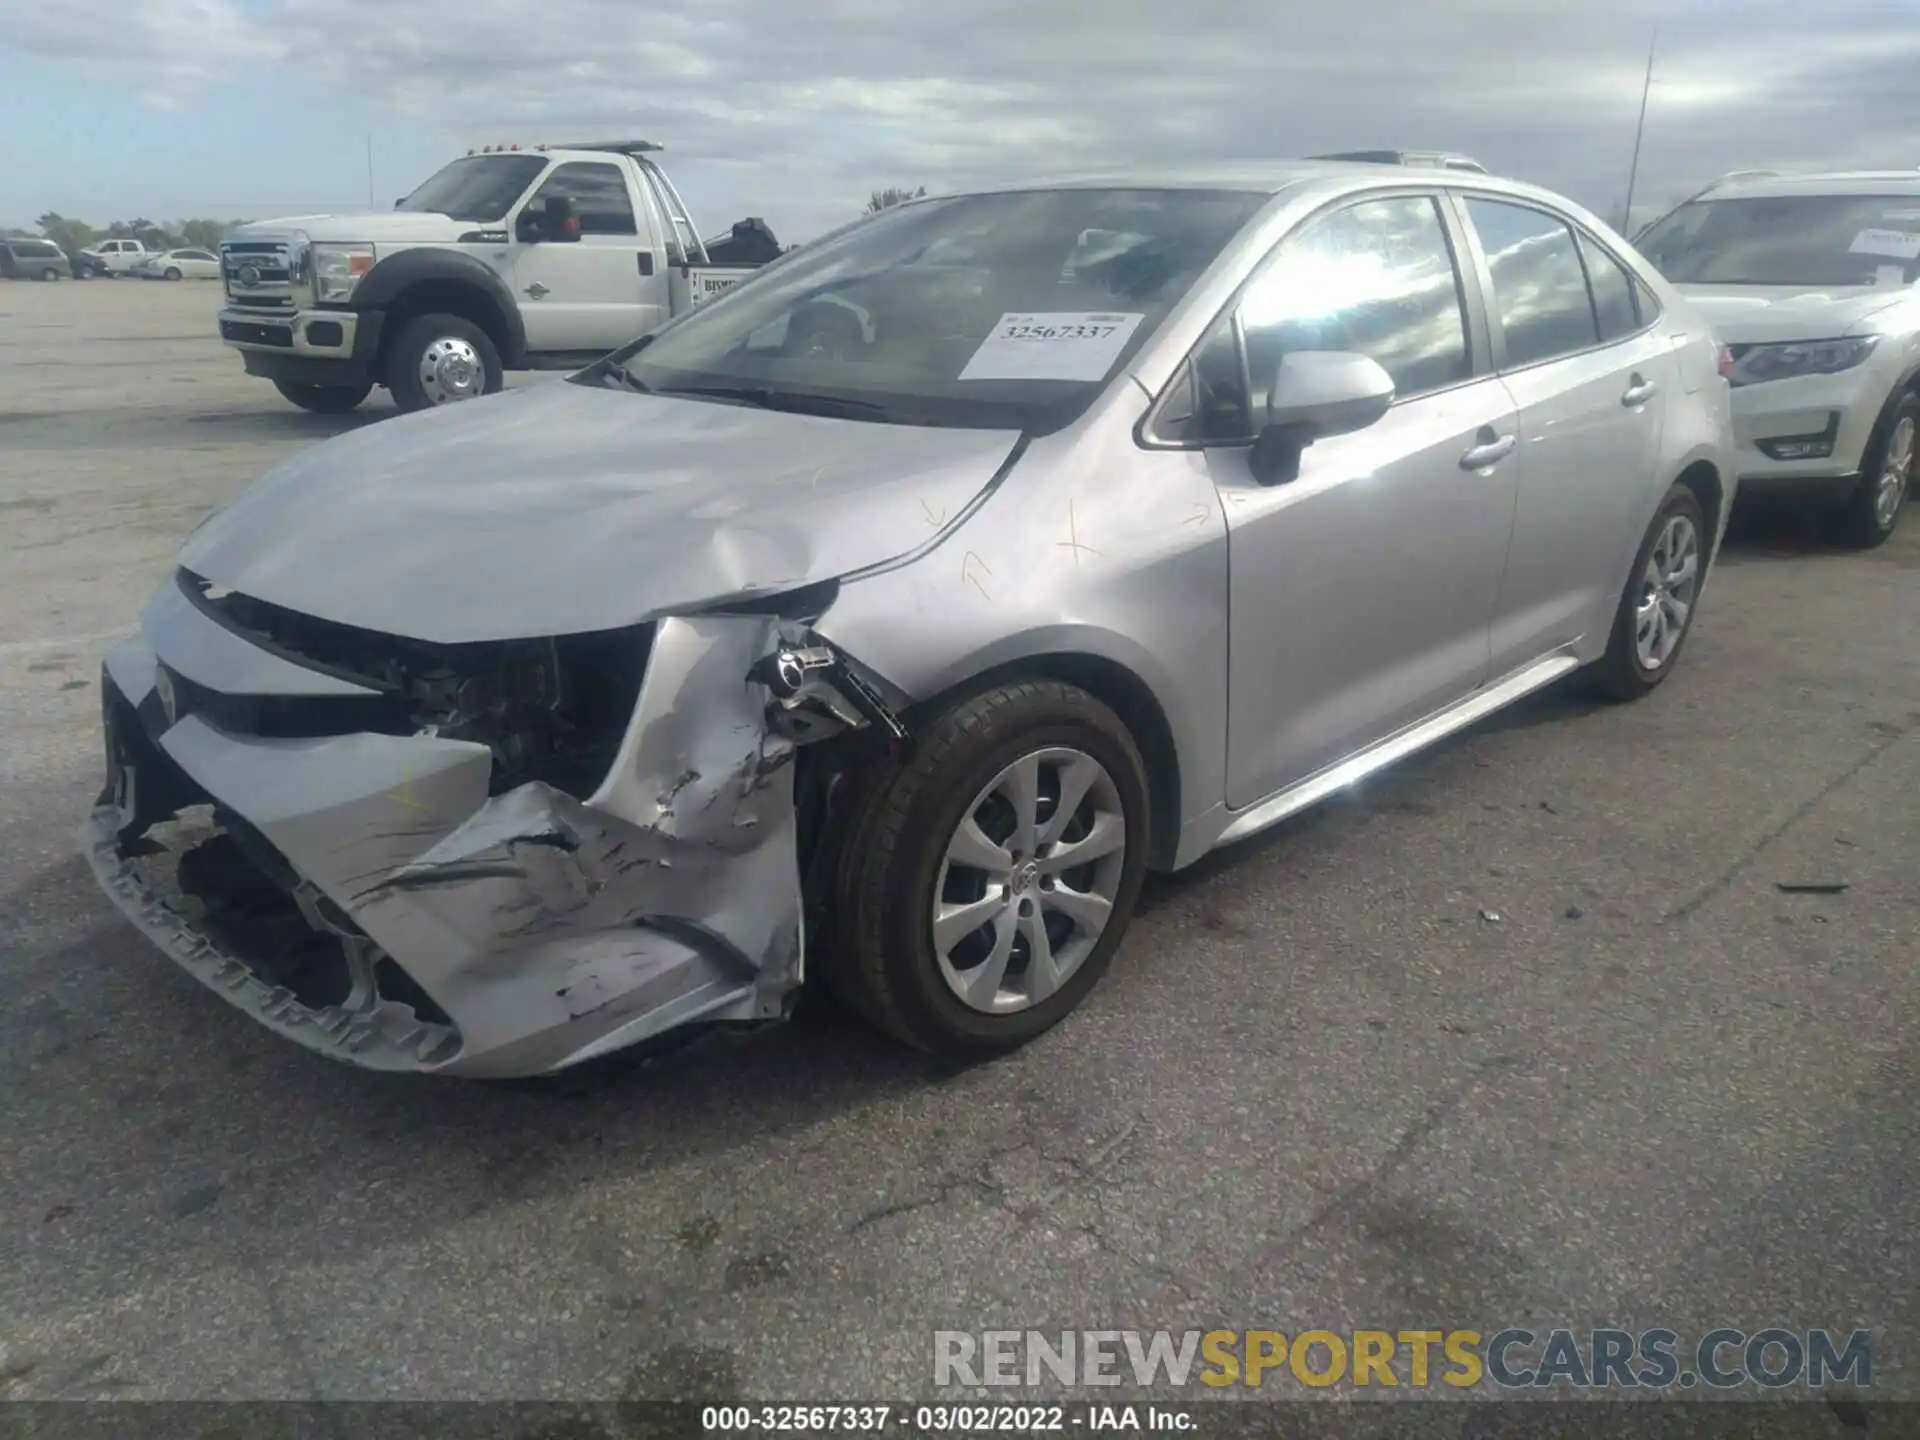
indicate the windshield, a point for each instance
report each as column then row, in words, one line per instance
column 480, row 187
column 1002, row 311
column 1831, row 240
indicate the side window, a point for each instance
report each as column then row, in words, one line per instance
column 1613, row 302
column 599, row 195
column 1539, row 286
column 1378, row 278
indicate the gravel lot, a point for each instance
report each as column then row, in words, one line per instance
column 1321, row 1086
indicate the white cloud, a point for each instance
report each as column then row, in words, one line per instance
column 806, row 105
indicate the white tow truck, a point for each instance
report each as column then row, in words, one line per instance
column 510, row 258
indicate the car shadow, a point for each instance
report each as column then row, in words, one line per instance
column 157, row 1071
column 279, row 424
column 1764, row 528
column 1396, row 788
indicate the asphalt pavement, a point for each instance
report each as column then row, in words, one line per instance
column 1525, row 1032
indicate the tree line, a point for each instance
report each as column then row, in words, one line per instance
column 71, row 235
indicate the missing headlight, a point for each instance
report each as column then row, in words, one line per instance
column 553, row 710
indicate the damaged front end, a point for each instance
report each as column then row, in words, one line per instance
column 483, row 860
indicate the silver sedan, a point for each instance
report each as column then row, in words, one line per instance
column 883, row 621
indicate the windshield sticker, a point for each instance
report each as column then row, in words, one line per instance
column 1053, row 345
column 1898, row 244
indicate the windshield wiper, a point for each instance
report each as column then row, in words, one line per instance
column 762, row 397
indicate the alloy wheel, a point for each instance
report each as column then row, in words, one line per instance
column 1668, row 587
column 1029, row 880
column 1895, row 471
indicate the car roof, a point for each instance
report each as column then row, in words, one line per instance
column 1833, row 182
column 1270, row 177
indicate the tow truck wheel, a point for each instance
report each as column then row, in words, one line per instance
column 439, row 360
column 324, row 399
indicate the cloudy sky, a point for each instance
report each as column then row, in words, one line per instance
column 796, row 109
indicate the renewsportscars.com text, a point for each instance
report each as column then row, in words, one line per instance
column 1603, row 1359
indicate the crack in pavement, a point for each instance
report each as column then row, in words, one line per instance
column 1752, row 853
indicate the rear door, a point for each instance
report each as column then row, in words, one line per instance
column 1591, row 381
column 590, row 294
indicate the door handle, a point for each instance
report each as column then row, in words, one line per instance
column 1639, row 390
column 536, row 290
column 1489, row 453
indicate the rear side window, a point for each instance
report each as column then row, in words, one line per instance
column 1539, row 285
column 599, row 195
column 1613, row 300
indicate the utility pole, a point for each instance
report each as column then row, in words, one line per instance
column 370, row 199
column 1639, row 130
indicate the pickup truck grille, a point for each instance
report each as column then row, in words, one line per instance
column 261, row 274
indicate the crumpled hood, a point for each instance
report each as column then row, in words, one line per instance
column 1764, row 314
column 563, row 508
column 416, row 227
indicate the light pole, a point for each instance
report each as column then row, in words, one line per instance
column 1639, row 130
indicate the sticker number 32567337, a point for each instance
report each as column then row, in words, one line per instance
column 1051, row 345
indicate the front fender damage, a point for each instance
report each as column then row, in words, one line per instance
column 671, row 895
column 545, row 929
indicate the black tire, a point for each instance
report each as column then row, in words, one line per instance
column 1619, row 674
column 173, row 274
column 407, row 350
column 324, row 399
column 1861, row 523
column 880, row 959
column 49, row 274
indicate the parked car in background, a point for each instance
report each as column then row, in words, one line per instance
column 1811, row 280
column 22, row 259
column 1152, row 511
column 178, row 265
column 88, row 266
column 535, row 258
column 119, row 256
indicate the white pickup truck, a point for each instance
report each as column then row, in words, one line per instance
column 542, row 258
column 117, row 257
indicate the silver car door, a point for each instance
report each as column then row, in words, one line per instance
column 1361, row 589
column 1592, row 383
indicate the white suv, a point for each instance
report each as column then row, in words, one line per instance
column 1810, row 281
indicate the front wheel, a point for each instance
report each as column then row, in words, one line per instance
column 1656, row 611
column 1885, row 478
column 439, row 360
column 49, row 273
column 988, row 880
column 172, row 274
column 323, row 399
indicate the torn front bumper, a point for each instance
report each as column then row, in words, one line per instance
column 436, row 927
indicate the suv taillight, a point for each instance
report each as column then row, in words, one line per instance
column 1726, row 363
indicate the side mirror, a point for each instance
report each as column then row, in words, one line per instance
column 1316, row 394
